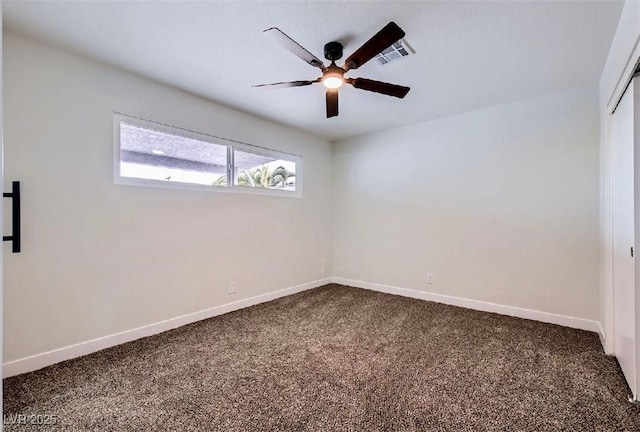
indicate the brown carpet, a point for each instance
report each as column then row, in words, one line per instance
column 338, row 359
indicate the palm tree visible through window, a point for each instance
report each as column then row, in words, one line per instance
column 264, row 176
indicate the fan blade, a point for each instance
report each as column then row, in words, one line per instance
column 379, row 42
column 332, row 103
column 289, row 44
column 379, row 87
column 288, row 84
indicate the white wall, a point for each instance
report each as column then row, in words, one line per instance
column 1, row 205
column 621, row 62
column 499, row 204
column 99, row 258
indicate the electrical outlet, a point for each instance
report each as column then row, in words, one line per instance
column 430, row 279
column 232, row 287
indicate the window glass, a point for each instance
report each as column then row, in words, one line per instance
column 154, row 155
column 148, row 153
column 258, row 171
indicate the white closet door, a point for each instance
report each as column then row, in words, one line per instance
column 622, row 143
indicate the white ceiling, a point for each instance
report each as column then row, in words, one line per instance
column 468, row 54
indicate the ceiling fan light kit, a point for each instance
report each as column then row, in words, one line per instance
column 333, row 75
column 332, row 82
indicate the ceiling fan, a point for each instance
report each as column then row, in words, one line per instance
column 333, row 75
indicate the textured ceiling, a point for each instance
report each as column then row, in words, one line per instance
column 468, row 54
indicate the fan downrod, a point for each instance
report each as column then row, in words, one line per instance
column 333, row 51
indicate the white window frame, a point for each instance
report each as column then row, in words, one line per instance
column 231, row 145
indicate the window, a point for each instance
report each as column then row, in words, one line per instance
column 253, row 170
column 154, row 154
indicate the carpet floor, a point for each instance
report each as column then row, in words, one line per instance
column 337, row 359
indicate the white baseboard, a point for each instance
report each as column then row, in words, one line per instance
column 48, row 358
column 563, row 320
column 603, row 337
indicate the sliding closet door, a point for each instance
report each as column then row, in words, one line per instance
column 622, row 143
column 622, row 140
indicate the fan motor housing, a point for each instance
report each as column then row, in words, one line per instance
column 333, row 51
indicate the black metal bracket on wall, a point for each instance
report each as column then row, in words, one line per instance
column 15, row 214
